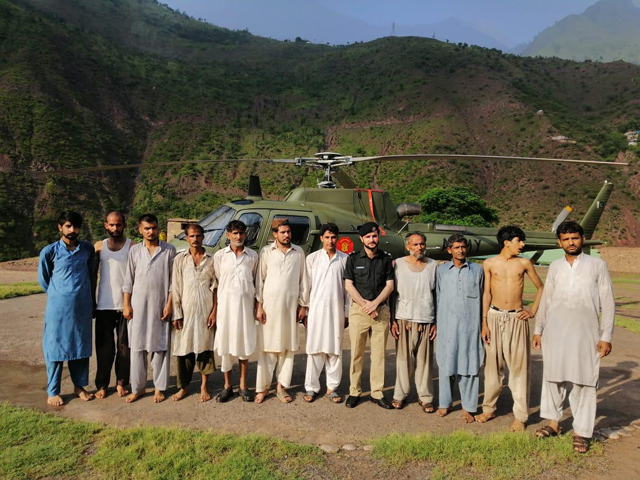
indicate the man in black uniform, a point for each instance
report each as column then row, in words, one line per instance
column 369, row 281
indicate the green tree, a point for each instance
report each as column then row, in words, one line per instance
column 457, row 205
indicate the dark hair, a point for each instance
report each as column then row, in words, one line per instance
column 457, row 238
column 329, row 227
column 70, row 216
column 148, row 218
column 194, row 226
column 120, row 214
column 510, row 232
column 569, row 227
column 236, row 225
column 283, row 223
column 411, row 234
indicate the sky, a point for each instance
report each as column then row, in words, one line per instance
column 511, row 22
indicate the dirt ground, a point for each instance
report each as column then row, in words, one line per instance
column 23, row 382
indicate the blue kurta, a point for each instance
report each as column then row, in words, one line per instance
column 65, row 276
column 459, row 349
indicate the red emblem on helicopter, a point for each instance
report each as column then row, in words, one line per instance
column 344, row 245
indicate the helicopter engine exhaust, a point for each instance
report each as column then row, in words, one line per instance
column 408, row 210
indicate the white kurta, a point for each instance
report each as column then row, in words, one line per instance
column 235, row 275
column 192, row 296
column 416, row 292
column 568, row 319
column 328, row 303
column 281, row 286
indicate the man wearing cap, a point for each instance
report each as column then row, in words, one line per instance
column 369, row 280
column 282, row 293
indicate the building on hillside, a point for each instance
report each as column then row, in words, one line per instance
column 562, row 139
column 632, row 137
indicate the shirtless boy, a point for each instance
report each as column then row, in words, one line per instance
column 505, row 326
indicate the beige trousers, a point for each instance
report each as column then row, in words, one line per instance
column 509, row 348
column 360, row 326
column 414, row 355
column 282, row 362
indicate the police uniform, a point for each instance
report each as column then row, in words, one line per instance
column 369, row 277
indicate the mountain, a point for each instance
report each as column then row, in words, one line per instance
column 607, row 31
column 80, row 86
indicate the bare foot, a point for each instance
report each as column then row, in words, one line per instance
column 517, row 426
column 122, row 392
column 443, row 412
column 183, row 392
column 467, row 417
column 133, row 397
column 158, row 396
column 205, row 396
column 485, row 417
column 83, row 394
column 56, row 401
column 101, row 393
column 260, row 396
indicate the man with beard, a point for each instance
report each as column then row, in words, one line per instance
column 459, row 349
column 505, row 326
column 193, row 316
column 413, row 322
column 368, row 278
column 327, row 317
column 572, row 335
column 148, row 308
column 64, row 273
column 234, row 313
column 282, row 293
column 111, row 263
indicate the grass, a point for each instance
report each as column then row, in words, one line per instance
column 626, row 280
column 496, row 456
column 628, row 323
column 11, row 290
column 37, row 445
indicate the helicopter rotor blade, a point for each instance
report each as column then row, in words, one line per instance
column 446, row 156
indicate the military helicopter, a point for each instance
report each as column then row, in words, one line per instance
column 350, row 207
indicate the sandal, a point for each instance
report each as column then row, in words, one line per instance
column 284, row 396
column 245, row 395
column 225, row 395
column 427, row 407
column 335, row 397
column 309, row 396
column 398, row 404
column 580, row 444
column 546, row 432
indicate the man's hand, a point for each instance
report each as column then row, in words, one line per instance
column 369, row 307
column 524, row 314
column 178, row 323
column 604, row 348
column 395, row 329
column 166, row 312
column 433, row 331
column 211, row 321
column 302, row 313
column 536, row 342
column 261, row 315
column 485, row 334
column 127, row 312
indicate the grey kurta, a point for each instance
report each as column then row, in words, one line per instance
column 568, row 319
column 148, row 280
column 459, row 349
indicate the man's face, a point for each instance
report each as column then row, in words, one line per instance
column 571, row 243
column 237, row 238
column 458, row 251
column 370, row 240
column 194, row 238
column 416, row 246
column 514, row 246
column 329, row 241
column 149, row 231
column 283, row 235
column 115, row 226
column 69, row 231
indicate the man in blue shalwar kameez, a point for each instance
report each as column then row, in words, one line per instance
column 64, row 273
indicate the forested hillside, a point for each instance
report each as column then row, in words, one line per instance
column 121, row 81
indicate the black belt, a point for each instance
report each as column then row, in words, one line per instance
column 504, row 311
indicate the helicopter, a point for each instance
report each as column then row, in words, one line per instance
column 350, row 207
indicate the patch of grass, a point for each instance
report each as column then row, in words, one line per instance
column 37, row 445
column 11, row 290
column 628, row 323
column 629, row 280
column 496, row 456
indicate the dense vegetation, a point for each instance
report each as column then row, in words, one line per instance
column 121, row 81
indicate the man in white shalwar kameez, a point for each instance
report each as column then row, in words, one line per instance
column 327, row 316
column 147, row 306
column 282, row 294
column 574, row 326
column 235, row 269
column 193, row 318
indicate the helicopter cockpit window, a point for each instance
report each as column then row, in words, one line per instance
column 253, row 221
column 214, row 225
column 299, row 228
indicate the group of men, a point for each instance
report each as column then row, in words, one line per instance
column 238, row 302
